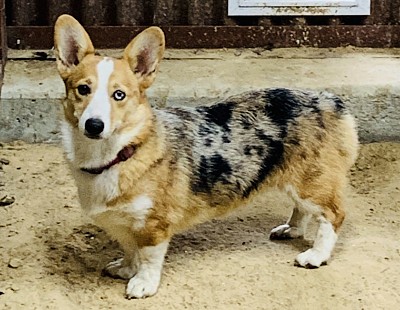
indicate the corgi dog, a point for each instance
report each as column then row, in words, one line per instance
column 144, row 174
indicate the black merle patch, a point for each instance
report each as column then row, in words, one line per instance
column 208, row 142
column 219, row 114
column 204, row 130
column 339, row 105
column 211, row 170
column 181, row 125
column 317, row 111
column 263, row 136
column 270, row 162
column 183, row 114
column 314, row 101
column 226, row 138
column 207, row 133
column 313, row 105
column 282, row 107
column 246, row 122
column 250, row 150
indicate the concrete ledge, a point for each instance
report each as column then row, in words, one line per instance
column 369, row 79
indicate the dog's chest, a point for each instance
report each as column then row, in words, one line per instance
column 130, row 215
column 95, row 192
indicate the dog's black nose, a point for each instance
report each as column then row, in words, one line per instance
column 94, row 127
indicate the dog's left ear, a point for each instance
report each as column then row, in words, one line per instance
column 144, row 53
column 71, row 44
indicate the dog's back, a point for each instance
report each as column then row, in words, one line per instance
column 275, row 137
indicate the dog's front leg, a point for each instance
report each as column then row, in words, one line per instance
column 147, row 279
column 127, row 266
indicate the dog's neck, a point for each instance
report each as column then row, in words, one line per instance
column 123, row 155
column 88, row 156
column 95, row 155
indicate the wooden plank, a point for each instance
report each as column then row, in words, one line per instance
column 94, row 12
column 381, row 11
column 57, row 7
column 395, row 12
column 164, row 13
column 129, row 12
column 168, row 12
column 224, row 36
column 201, row 12
column 24, row 13
column 171, row 12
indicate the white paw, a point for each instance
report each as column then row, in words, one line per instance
column 311, row 259
column 284, row 232
column 117, row 269
column 144, row 284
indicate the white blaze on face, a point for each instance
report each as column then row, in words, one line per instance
column 100, row 106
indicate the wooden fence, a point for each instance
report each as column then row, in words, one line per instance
column 199, row 24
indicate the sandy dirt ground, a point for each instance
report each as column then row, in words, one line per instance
column 51, row 257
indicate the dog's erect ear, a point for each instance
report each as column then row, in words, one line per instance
column 144, row 53
column 71, row 43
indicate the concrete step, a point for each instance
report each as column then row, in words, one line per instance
column 368, row 79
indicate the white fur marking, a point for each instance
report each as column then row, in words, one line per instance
column 66, row 135
column 139, row 209
column 326, row 237
column 323, row 245
column 100, row 106
column 146, row 282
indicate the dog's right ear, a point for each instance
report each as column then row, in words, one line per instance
column 71, row 44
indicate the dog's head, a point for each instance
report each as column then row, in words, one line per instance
column 106, row 96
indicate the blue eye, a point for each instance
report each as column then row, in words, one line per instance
column 83, row 90
column 119, row 95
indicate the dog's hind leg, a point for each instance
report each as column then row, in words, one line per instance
column 294, row 228
column 328, row 210
column 324, row 243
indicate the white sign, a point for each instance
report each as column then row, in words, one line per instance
column 299, row 7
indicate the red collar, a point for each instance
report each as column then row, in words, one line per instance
column 123, row 155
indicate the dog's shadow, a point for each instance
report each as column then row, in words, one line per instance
column 88, row 249
column 237, row 233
